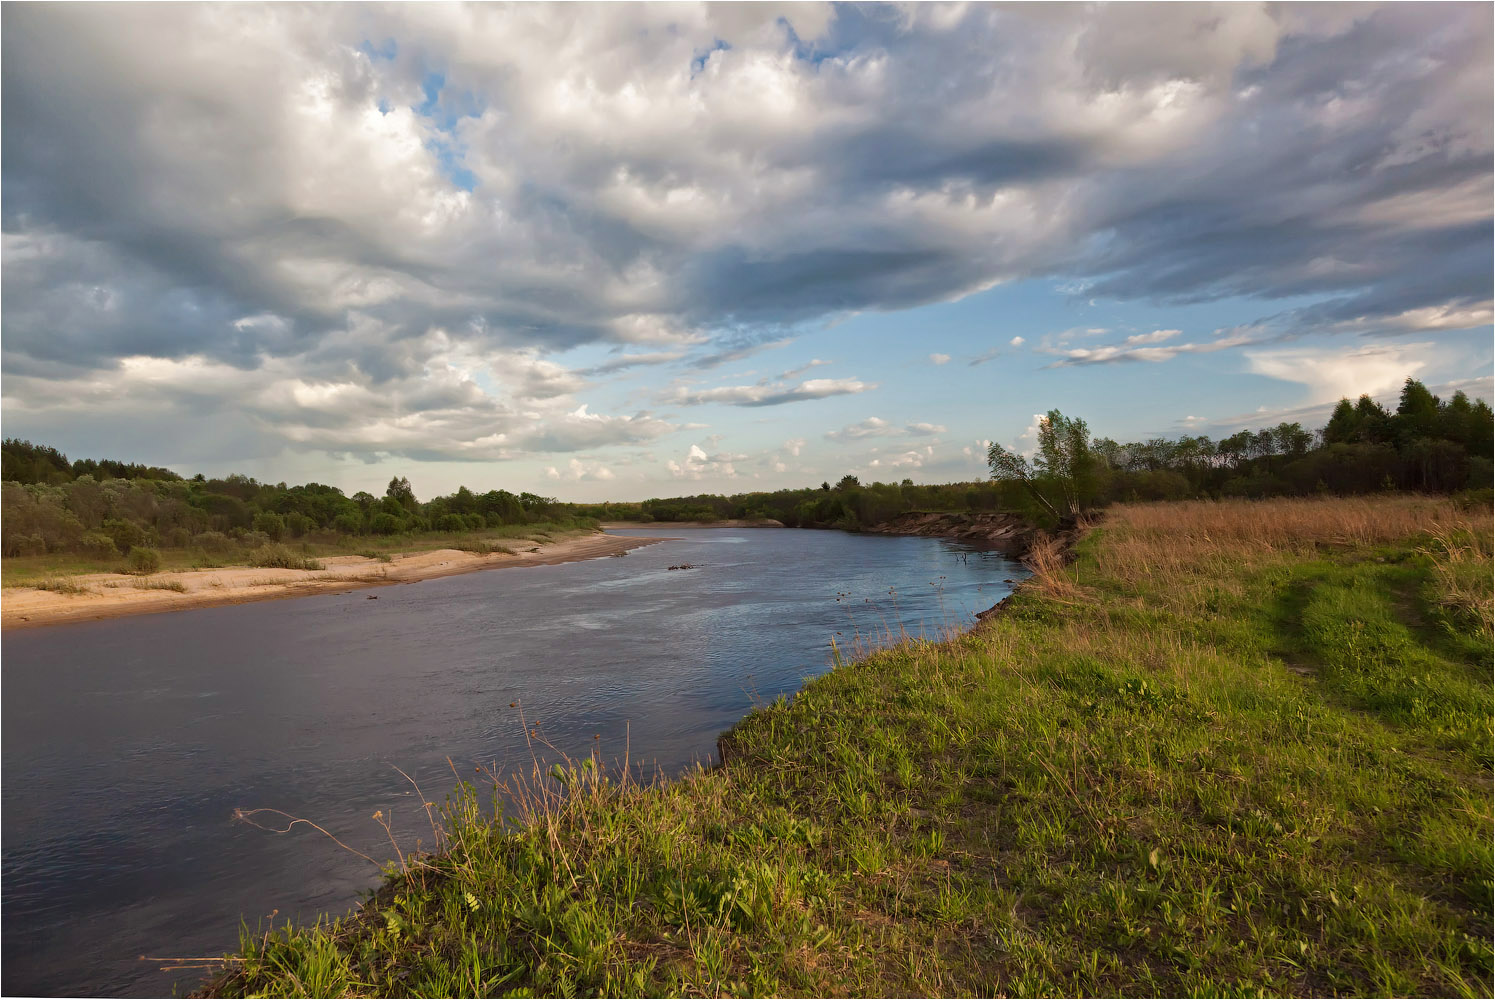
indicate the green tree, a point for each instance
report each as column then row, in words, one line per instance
column 399, row 490
column 1062, row 476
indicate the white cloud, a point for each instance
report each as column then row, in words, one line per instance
column 1017, row 341
column 1155, row 337
column 382, row 270
column 925, row 429
column 1333, row 374
column 700, row 465
column 1135, row 348
column 774, row 394
column 871, row 427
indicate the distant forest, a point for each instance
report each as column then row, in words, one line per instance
column 104, row 507
column 1427, row 444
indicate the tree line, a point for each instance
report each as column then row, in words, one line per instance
column 1425, row 444
column 103, row 507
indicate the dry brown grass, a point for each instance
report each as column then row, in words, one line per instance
column 1461, row 574
column 1145, row 541
column 1046, row 559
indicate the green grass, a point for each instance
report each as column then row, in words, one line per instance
column 1263, row 774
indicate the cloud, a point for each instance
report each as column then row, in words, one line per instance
column 1335, row 374
column 772, row 394
column 983, row 358
column 257, row 188
column 793, row 445
column 697, row 464
column 904, row 460
column 440, row 414
column 1138, row 348
column 623, row 362
column 1017, row 342
column 1155, row 337
column 925, row 429
column 812, row 363
column 871, row 427
column 939, row 359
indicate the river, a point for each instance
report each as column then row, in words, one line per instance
column 129, row 743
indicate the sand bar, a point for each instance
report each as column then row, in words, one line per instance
column 112, row 595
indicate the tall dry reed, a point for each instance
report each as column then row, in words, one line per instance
column 1146, row 541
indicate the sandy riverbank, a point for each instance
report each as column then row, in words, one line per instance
column 672, row 525
column 112, row 595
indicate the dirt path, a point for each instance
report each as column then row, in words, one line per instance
column 112, row 595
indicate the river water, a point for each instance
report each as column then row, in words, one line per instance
column 128, row 743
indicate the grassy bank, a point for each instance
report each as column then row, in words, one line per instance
column 1233, row 748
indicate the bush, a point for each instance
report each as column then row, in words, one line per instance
column 213, row 541
column 96, row 543
column 475, row 522
column 144, row 561
column 348, row 524
column 451, row 522
column 386, row 524
column 176, row 538
column 270, row 523
column 280, row 557
column 298, row 524
column 23, row 544
column 125, row 534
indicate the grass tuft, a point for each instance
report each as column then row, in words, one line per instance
column 176, row 586
column 275, row 556
column 60, row 585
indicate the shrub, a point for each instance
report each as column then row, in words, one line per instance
column 144, row 561
column 280, row 557
column 176, row 538
column 213, row 541
column 348, row 524
column 451, row 522
column 298, row 524
column 96, row 543
column 386, row 524
column 271, row 524
column 125, row 534
column 486, row 548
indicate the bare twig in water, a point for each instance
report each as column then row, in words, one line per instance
column 245, row 816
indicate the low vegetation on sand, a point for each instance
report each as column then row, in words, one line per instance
column 1232, row 748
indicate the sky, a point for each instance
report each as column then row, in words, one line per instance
column 626, row 251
